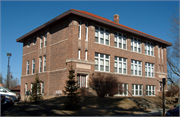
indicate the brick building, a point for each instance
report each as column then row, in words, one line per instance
column 92, row 44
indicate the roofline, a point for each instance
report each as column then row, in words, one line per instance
column 102, row 20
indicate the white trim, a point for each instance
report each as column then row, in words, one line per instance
column 147, row 67
column 59, row 42
column 86, row 32
column 86, row 52
column 33, row 62
column 149, row 46
column 44, row 62
column 122, row 64
column 117, row 40
column 136, row 44
column 79, row 61
column 27, row 68
column 40, row 64
column 31, row 86
column 29, row 53
column 26, row 86
column 79, row 53
column 138, row 65
column 79, row 29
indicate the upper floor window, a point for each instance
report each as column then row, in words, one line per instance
column 136, row 67
column 162, row 52
column 40, row 64
column 44, row 63
column 29, row 42
column 86, row 31
column 120, row 40
column 159, row 51
column 33, row 66
column 34, row 40
column 41, row 41
column 120, row 65
column 79, row 30
column 102, row 35
column 149, row 48
column 135, row 45
column 27, row 68
column 102, row 62
column 45, row 39
column 149, row 69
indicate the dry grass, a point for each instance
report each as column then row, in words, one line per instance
column 89, row 106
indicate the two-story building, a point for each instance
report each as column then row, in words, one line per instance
column 92, row 44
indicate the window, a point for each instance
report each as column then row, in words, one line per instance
column 41, row 41
column 162, row 52
column 79, row 54
column 102, row 62
column 34, row 40
column 137, row 90
column 86, row 55
column 81, row 81
column 120, row 40
column 86, row 31
column 135, row 44
column 40, row 64
column 38, row 87
column 45, row 39
column 33, row 66
column 136, row 67
column 31, row 87
column 149, row 48
column 27, row 72
column 102, row 35
column 42, row 88
column 159, row 51
column 25, row 88
column 44, row 63
column 79, row 30
column 149, row 69
column 122, row 89
column 29, row 42
column 120, row 65
column 150, row 90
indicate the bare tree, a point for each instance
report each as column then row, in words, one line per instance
column 104, row 84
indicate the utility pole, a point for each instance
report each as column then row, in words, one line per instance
column 8, row 70
column 164, row 83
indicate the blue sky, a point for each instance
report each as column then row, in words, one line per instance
column 20, row 17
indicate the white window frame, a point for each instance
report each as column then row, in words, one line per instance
column 45, row 39
column 136, row 43
column 86, row 31
column 26, row 88
column 149, row 70
column 34, row 40
column 40, row 64
column 103, row 57
column 44, row 63
column 138, row 90
column 33, row 66
column 41, row 41
column 149, row 48
column 79, row 29
column 86, row 52
column 79, row 53
column 159, row 51
column 119, row 38
column 122, row 61
column 123, row 90
column 80, row 80
column 31, row 87
column 104, row 32
column 27, row 68
column 138, row 64
column 149, row 90
column 42, row 88
column 162, row 52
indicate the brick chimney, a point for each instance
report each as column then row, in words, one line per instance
column 116, row 18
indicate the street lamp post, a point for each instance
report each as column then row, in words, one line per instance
column 8, row 70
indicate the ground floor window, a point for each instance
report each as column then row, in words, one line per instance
column 137, row 90
column 122, row 89
column 31, row 87
column 42, row 88
column 81, row 80
column 150, row 90
column 25, row 88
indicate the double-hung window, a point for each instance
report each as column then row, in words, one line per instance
column 79, row 30
column 162, row 52
column 25, row 90
column 86, row 31
column 33, row 66
column 135, row 44
column 122, row 89
column 45, row 39
column 136, row 67
column 86, row 55
column 120, row 40
column 149, row 48
column 120, row 65
column 27, row 68
column 102, row 62
column 149, row 69
column 44, row 63
column 31, row 87
column 137, row 90
column 102, row 35
column 40, row 64
column 150, row 90
column 79, row 54
column 81, row 80
column 42, row 88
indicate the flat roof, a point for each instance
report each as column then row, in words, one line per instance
column 97, row 19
